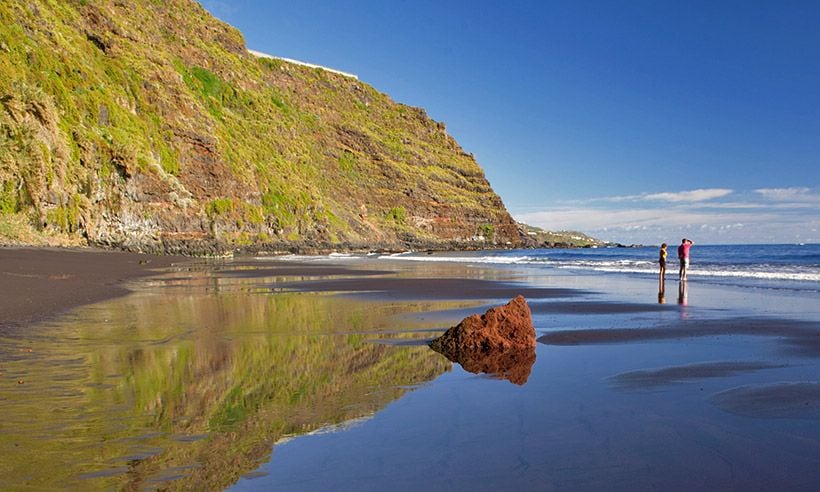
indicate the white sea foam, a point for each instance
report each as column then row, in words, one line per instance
column 760, row 272
column 588, row 263
column 308, row 258
column 500, row 260
column 344, row 256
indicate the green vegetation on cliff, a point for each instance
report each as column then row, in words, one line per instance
column 148, row 125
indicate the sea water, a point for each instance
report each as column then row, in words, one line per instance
column 788, row 266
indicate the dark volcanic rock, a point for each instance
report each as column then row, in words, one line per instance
column 500, row 342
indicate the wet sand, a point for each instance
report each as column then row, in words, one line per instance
column 430, row 288
column 649, row 379
column 257, row 268
column 796, row 336
column 39, row 283
column 773, row 401
column 597, row 307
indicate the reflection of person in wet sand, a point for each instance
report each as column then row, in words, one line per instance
column 683, row 256
column 683, row 293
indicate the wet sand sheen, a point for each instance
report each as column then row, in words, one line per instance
column 791, row 400
column 236, row 350
column 797, row 336
column 155, row 389
column 39, row 283
column 36, row 284
column 649, row 378
column 430, row 288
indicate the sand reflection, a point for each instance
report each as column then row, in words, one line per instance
column 798, row 400
column 650, row 378
column 795, row 336
column 193, row 385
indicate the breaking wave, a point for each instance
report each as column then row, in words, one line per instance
column 762, row 271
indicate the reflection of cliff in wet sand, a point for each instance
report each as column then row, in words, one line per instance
column 209, row 384
column 500, row 342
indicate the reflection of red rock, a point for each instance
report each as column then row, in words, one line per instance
column 501, row 342
column 514, row 365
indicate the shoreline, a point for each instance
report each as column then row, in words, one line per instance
column 40, row 283
column 208, row 330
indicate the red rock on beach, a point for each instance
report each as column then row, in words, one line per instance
column 500, row 342
column 500, row 328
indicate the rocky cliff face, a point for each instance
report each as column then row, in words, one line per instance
column 147, row 125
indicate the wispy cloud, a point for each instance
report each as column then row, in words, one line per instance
column 689, row 196
column 692, row 196
column 794, row 194
column 765, row 216
column 632, row 218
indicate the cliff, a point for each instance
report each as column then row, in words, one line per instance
column 149, row 126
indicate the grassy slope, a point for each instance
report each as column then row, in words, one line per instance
column 141, row 123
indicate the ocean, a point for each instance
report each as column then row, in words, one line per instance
column 779, row 266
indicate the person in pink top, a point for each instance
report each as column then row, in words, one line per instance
column 683, row 256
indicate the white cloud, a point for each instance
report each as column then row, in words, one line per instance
column 793, row 194
column 701, row 223
column 699, row 195
column 625, row 219
column 766, row 215
column 689, row 196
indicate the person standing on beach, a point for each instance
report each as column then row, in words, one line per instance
column 662, row 261
column 662, row 277
column 683, row 256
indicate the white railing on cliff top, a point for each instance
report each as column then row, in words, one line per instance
column 259, row 54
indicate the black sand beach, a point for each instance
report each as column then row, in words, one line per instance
column 38, row 283
column 262, row 374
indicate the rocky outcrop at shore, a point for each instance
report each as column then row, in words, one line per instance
column 500, row 342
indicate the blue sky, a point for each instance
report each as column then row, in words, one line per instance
column 633, row 121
